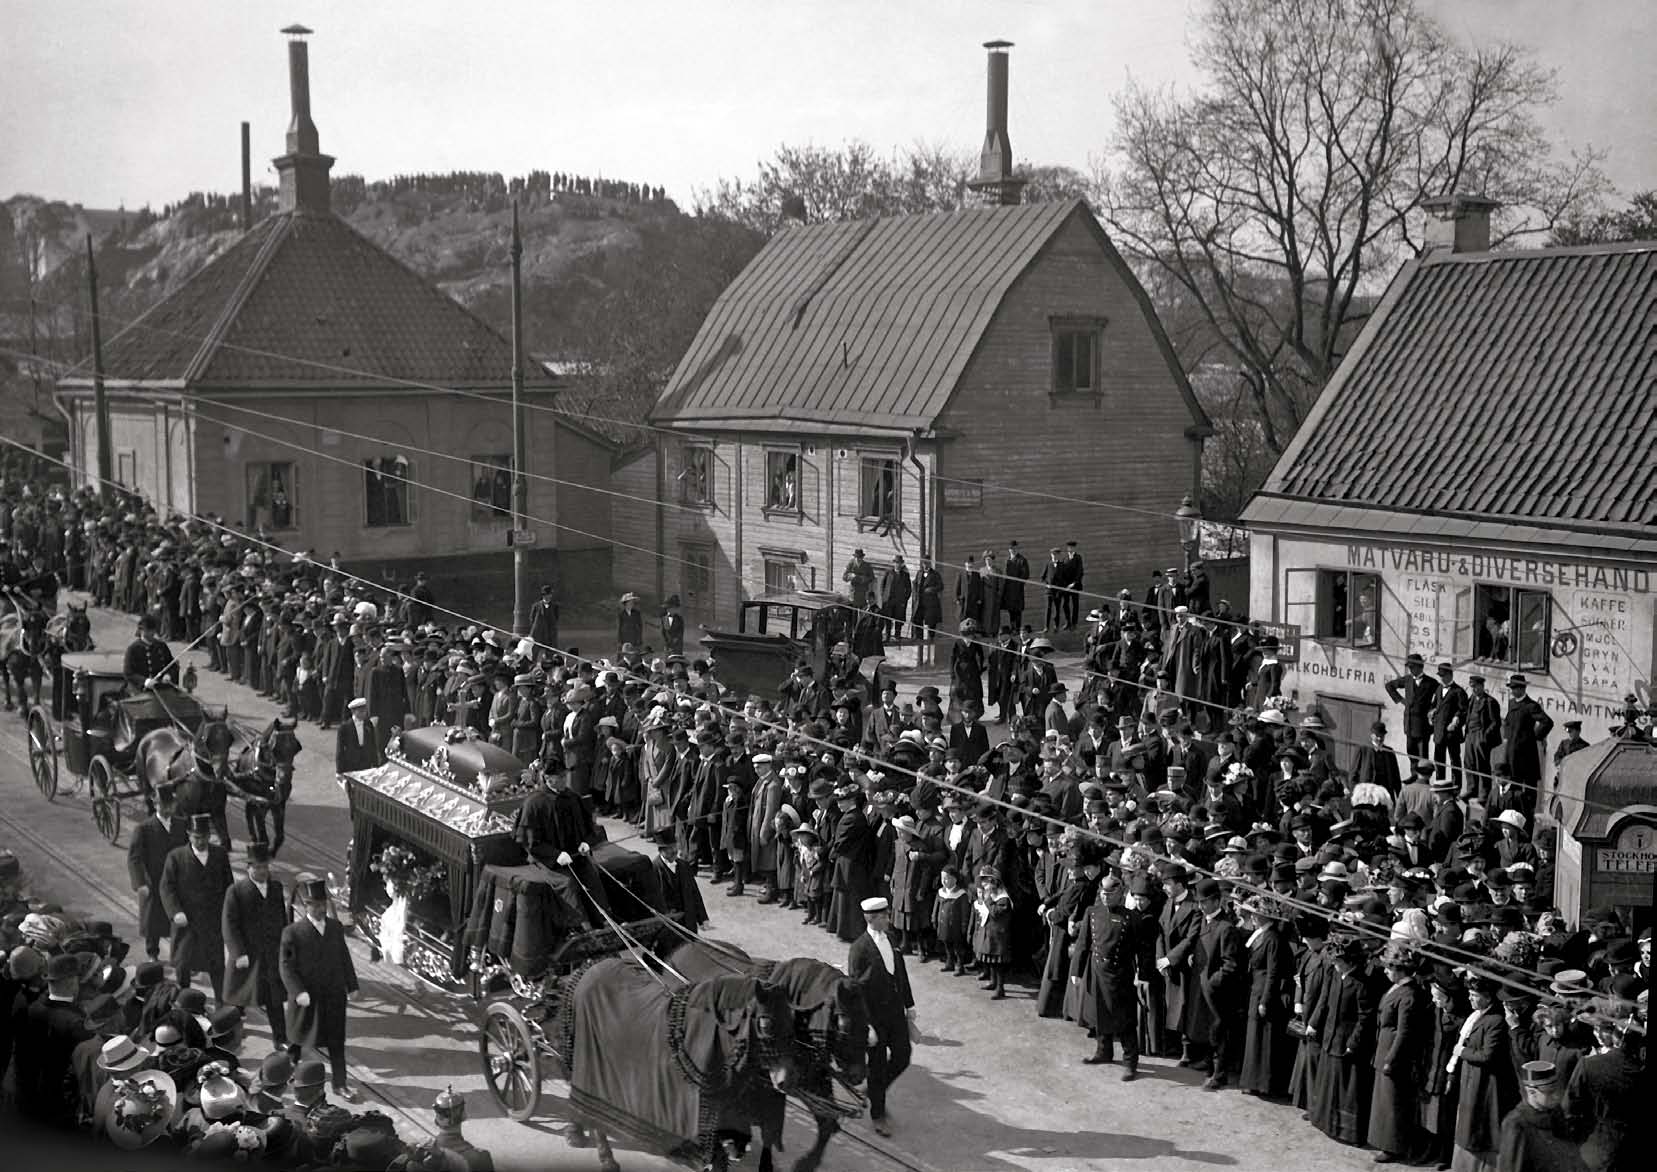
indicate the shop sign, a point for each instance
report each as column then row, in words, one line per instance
column 1635, row 852
column 963, row 494
column 1491, row 567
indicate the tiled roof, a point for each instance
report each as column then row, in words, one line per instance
column 304, row 300
column 857, row 322
column 1500, row 386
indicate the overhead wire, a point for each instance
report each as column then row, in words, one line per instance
column 986, row 645
column 1449, row 954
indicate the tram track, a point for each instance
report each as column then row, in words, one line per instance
column 413, row 994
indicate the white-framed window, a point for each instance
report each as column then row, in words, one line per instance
column 272, row 495
column 1510, row 626
column 1076, row 355
column 878, row 486
column 782, row 480
column 1337, row 606
column 386, row 497
column 491, row 481
column 781, row 576
column 696, row 475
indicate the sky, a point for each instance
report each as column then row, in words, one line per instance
column 126, row 102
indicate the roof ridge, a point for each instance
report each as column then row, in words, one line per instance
column 282, row 226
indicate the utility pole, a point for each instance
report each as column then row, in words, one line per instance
column 520, row 446
column 100, row 403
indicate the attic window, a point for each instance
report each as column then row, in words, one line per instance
column 1076, row 355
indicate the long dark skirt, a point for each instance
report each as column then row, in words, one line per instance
column 1055, row 974
column 1394, row 1116
column 1303, row 1077
column 1268, row 1056
column 1079, row 1004
column 1340, row 1102
column 846, row 915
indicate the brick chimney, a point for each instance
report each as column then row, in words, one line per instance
column 995, row 181
column 304, row 169
column 1458, row 223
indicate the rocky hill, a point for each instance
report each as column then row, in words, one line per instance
column 616, row 277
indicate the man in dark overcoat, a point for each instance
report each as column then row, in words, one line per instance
column 1221, row 964
column 318, row 977
column 45, row 1032
column 336, row 665
column 1525, row 731
column 1449, row 723
column 1181, row 924
column 853, row 852
column 1418, row 693
column 193, row 882
column 1013, row 579
column 255, row 912
column 556, row 827
column 877, row 967
column 1105, row 953
column 895, row 591
column 153, row 840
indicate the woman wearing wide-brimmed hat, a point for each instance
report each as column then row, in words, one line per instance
column 1268, row 1052
column 1403, row 1041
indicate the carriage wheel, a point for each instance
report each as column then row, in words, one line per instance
column 511, row 1064
column 106, row 804
column 43, row 756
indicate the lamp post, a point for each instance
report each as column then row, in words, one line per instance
column 1189, row 519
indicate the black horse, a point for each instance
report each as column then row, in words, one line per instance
column 23, row 648
column 268, row 780
column 200, row 768
column 831, row 1033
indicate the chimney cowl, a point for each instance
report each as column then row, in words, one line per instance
column 303, row 168
column 996, row 180
column 1457, row 223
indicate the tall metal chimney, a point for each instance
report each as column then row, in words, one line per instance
column 304, row 169
column 996, row 181
column 247, row 177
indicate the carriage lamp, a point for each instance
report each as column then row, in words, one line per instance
column 1189, row 519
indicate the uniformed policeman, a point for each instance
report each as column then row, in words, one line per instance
column 149, row 660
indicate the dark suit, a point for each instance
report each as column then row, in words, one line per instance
column 1450, row 729
column 318, row 964
column 889, row 999
column 355, row 750
column 147, row 854
column 1443, row 829
column 197, row 889
column 1419, row 696
column 1483, row 730
column 45, row 1034
column 252, row 927
column 145, row 660
column 1221, row 963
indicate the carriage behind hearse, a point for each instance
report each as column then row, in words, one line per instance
column 91, row 728
column 779, row 630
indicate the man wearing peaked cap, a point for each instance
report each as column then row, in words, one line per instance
column 877, row 968
column 193, row 882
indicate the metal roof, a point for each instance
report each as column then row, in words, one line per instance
column 1618, row 777
column 1518, row 387
column 304, row 300
column 863, row 322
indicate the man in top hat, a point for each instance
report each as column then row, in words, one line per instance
column 318, row 977
column 1418, row 693
column 193, row 882
column 543, row 618
column 877, row 968
column 148, row 660
column 1449, row 723
column 155, row 838
column 255, row 912
column 45, row 1033
column 1525, row 731
column 359, row 743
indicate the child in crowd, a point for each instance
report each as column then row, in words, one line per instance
column 992, row 916
column 808, row 874
column 951, row 917
column 308, row 689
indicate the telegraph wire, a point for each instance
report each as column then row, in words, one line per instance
column 1361, row 927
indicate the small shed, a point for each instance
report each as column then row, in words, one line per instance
column 1605, row 804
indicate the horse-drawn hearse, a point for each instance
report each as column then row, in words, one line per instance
column 121, row 744
column 580, row 1014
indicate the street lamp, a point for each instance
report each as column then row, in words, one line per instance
column 1189, row 519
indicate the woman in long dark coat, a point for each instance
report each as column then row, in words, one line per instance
column 1312, row 969
column 1488, row 1089
column 1061, row 907
column 919, row 856
column 1345, row 1028
column 853, row 855
column 1403, row 1039
column 1267, row 1052
column 1439, row 1087
column 966, row 668
column 1087, row 860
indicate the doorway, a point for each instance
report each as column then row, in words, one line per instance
column 696, row 584
column 1348, row 722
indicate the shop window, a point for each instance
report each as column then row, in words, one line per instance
column 386, row 491
column 782, row 481
column 696, row 475
column 877, row 495
column 492, row 488
column 1339, row 606
column 1511, row 627
column 272, row 502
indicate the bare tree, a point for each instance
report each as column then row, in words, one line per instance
column 1274, row 201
